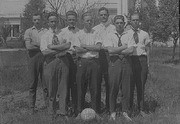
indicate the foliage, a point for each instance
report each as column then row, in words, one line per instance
column 149, row 15
column 56, row 5
column 168, row 20
column 148, row 12
column 79, row 6
column 34, row 6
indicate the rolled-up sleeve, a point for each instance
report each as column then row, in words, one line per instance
column 147, row 39
column 27, row 35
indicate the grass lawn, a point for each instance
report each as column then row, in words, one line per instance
column 162, row 97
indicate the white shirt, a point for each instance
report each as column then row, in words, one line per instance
column 113, row 39
column 69, row 36
column 144, row 39
column 46, row 40
column 102, row 30
column 88, row 39
column 33, row 34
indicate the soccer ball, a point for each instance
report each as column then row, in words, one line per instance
column 88, row 114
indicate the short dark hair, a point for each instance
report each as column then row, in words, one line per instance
column 103, row 8
column 86, row 14
column 118, row 17
column 135, row 13
column 52, row 14
column 71, row 12
column 37, row 14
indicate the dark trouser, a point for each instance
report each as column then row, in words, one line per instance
column 56, row 77
column 35, row 67
column 120, row 73
column 72, row 93
column 103, row 59
column 140, row 71
column 88, row 73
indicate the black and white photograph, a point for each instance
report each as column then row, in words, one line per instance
column 89, row 62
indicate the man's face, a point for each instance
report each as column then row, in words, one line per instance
column 53, row 22
column 88, row 22
column 36, row 20
column 103, row 15
column 135, row 21
column 71, row 19
column 119, row 24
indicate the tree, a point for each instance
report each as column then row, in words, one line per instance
column 34, row 6
column 148, row 12
column 56, row 5
column 167, row 24
column 62, row 6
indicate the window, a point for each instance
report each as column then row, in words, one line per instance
column 15, row 30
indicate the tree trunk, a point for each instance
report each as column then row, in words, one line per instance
column 174, row 48
column 179, row 49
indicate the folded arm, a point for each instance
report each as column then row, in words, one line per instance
column 48, row 52
column 116, row 50
column 91, row 47
column 59, row 47
column 29, row 43
column 80, row 49
column 128, row 51
column 35, row 43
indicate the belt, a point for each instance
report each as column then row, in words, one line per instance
column 34, row 50
column 139, row 55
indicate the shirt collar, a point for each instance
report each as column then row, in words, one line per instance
column 71, row 28
column 56, row 30
column 121, row 33
column 37, row 29
column 137, row 30
column 75, row 30
column 105, row 24
column 92, row 31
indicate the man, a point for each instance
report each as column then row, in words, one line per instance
column 87, row 65
column 119, row 46
column 139, row 60
column 102, row 30
column 56, row 67
column 32, row 43
column 70, row 34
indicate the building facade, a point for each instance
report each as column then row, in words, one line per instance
column 11, row 13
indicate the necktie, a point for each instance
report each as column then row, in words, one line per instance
column 55, row 39
column 71, row 28
column 119, row 44
column 135, row 35
column 119, row 41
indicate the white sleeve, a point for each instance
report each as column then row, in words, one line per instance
column 61, row 38
column 147, row 39
column 43, row 42
column 79, row 40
